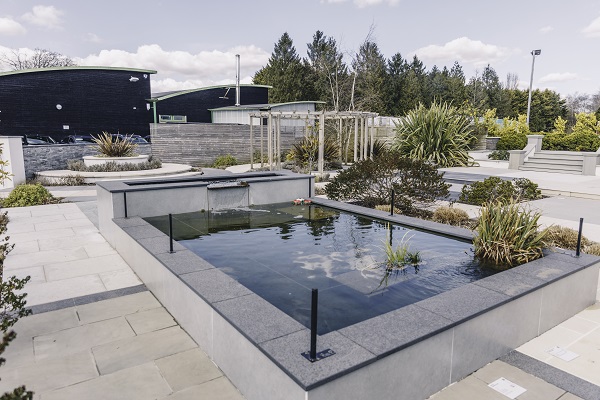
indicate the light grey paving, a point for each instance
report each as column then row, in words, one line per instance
column 150, row 320
column 125, row 353
column 81, row 338
column 119, row 306
column 139, row 382
column 218, row 389
column 187, row 369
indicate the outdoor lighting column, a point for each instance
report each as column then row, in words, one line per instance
column 533, row 53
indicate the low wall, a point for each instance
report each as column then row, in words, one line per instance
column 200, row 144
column 411, row 352
column 55, row 156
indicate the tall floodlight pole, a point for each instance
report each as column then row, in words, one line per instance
column 533, row 53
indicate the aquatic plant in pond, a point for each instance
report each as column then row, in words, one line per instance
column 398, row 259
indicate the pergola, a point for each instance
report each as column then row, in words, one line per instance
column 363, row 136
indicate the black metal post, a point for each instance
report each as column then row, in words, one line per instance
column 310, row 186
column 578, row 251
column 170, row 233
column 392, row 203
column 313, row 324
column 125, row 202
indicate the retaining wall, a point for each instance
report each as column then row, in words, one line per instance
column 55, row 156
column 200, row 144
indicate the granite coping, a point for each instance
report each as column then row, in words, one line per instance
column 412, row 222
column 282, row 339
column 119, row 186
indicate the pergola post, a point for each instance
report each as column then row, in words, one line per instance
column 251, row 143
column 372, row 135
column 278, row 142
column 321, row 141
column 262, row 163
column 270, row 140
column 355, row 138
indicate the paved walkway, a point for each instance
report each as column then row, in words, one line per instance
column 77, row 345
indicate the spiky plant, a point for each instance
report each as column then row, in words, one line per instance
column 508, row 235
column 306, row 151
column 114, row 145
column 439, row 134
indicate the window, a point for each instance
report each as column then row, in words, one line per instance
column 178, row 119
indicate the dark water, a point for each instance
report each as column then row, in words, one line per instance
column 282, row 251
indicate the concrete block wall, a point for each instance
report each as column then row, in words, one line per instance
column 55, row 156
column 200, row 144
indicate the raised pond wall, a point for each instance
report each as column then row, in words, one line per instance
column 409, row 353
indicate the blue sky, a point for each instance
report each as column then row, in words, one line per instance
column 193, row 43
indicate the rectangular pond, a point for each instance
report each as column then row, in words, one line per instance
column 228, row 293
column 282, row 251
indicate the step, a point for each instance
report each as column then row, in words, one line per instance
column 555, row 161
column 562, row 155
column 556, row 171
column 553, row 166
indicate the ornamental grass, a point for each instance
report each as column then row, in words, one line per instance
column 508, row 235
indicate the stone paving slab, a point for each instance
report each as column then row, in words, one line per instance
column 80, row 353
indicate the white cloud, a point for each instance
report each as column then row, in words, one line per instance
column 363, row 3
column 183, row 69
column 546, row 29
column 464, row 50
column 593, row 29
column 558, row 77
column 45, row 16
column 170, row 84
column 368, row 3
column 10, row 27
column 93, row 38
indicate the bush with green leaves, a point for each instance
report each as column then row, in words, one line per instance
column 417, row 183
column 29, row 195
column 513, row 134
column 225, row 161
column 440, row 134
column 508, row 235
column 503, row 155
column 109, row 145
column 497, row 189
column 305, row 153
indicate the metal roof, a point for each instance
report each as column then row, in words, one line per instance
column 263, row 106
column 28, row 71
column 167, row 95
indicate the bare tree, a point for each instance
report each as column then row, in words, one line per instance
column 41, row 58
column 512, row 81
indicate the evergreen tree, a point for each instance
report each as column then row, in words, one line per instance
column 287, row 73
column 330, row 73
column 397, row 70
column 371, row 78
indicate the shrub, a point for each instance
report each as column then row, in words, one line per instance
column 593, row 249
column 499, row 155
column 29, row 195
column 71, row 180
column 306, row 152
column 565, row 238
column 225, row 161
column 512, row 141
column 369, row 182
column 114, row 146
column 79, row 165
column 451, row 216
column 507, row 235
column 496, row 189
column 439, row 134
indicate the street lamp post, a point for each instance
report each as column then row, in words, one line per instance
column 533, row 53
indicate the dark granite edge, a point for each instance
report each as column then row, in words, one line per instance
column 428, row 226
column 328, row 378
column 552, row 375
column 87, row 299
column 194, row 182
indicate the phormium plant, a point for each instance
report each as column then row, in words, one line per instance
column 114, row 145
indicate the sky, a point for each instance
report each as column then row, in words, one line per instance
column 193, row 43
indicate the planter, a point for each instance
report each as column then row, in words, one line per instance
column 95, row 160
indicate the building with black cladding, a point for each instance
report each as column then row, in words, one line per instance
column 65, row 101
